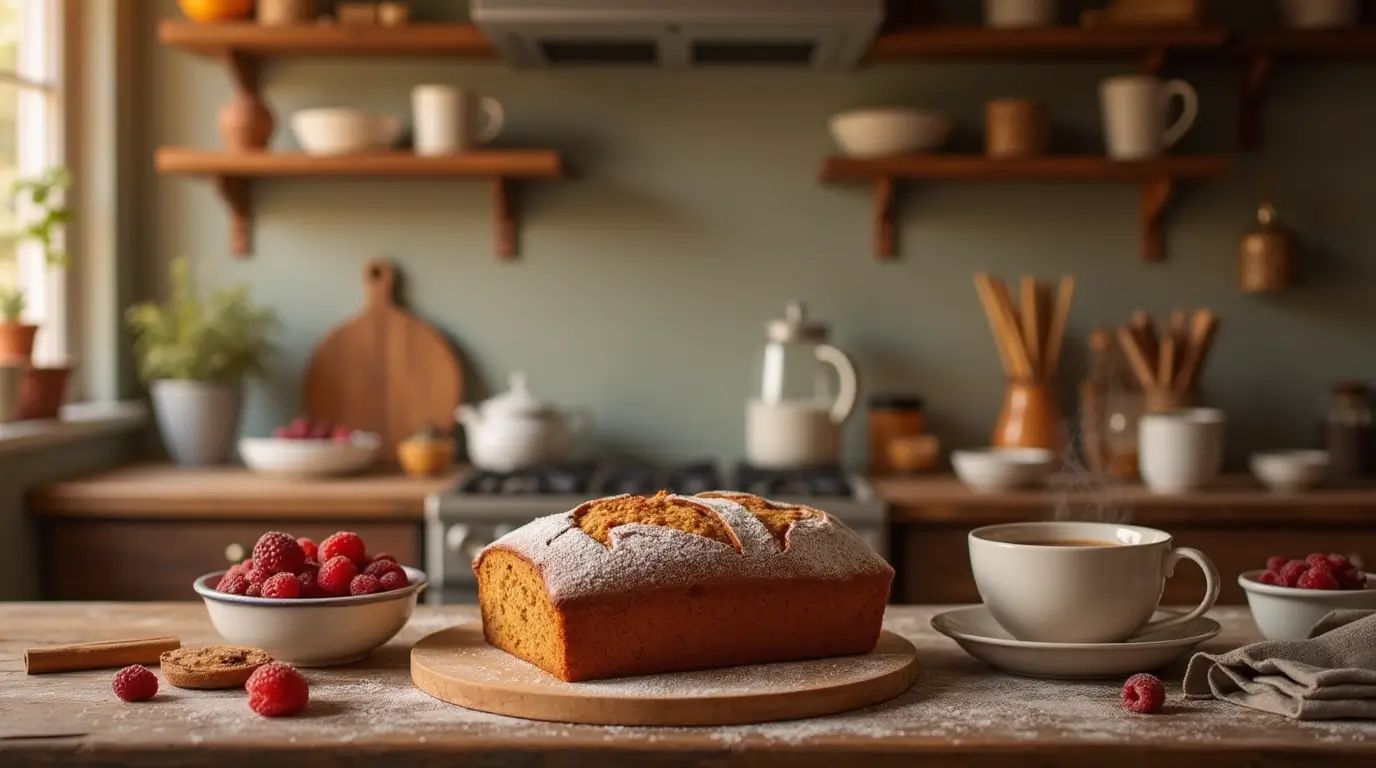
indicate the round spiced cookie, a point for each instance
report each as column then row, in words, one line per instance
column 211, row 666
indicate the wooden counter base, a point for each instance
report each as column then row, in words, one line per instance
column 959, row 713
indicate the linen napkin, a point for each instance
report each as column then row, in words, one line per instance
column 1330, row 676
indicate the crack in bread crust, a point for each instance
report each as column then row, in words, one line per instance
column 598, row 518
column 777, row 518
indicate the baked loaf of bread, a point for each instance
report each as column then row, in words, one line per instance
column 631, row 585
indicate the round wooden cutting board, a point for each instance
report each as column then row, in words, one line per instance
column 456, row 665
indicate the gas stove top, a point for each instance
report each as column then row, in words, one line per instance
column 592, row 481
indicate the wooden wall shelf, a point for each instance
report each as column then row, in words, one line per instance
column 1151, row 46
column 234, row 172
column 257, row 41
column 1262, row 50
column 1157, row 178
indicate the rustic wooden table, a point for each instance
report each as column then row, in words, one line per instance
column 960, row 713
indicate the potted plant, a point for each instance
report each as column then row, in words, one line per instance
column 45, row 195
column 195, row 356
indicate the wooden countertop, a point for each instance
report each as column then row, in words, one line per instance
column 959, row 713
column 163, row 491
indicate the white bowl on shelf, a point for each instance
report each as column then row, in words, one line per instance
column 1287, row 613
column 332, row 131
column 1290, row 471
column 314, row 632
column 303, row 459
column 991, row 470
column 890, row 132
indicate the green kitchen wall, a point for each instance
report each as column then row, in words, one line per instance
column 644, row 283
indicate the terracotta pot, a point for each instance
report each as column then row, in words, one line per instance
column 42, row 392
column 16, row 342
column 1030, row 418
column 246, row 124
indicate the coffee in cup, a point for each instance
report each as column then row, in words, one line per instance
column 1080, row 582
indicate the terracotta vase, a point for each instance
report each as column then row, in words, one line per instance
column 42, row 392
column 1031, row 418
column 16, row 342
column 246, row 124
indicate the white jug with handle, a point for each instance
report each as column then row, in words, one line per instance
column 796, row 421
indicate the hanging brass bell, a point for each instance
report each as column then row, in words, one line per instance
column 1266, row 255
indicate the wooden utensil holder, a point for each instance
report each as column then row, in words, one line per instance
column 1031, row 417
column 1164, row 400
column 1016, row 128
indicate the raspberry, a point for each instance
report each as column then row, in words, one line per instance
column 277, row 690
column 246, row 564
column 256, row 576
column 1143, row 694
column 384, row 556
column 347, row 544
column 335, row 575
column 1339, row 562
column 1318, row 579
column 254, row 590
column 1271, row 577
column 1276, row 562
column 391, row 580
column 307, row 547
column 277, row 552
column 380, row 567
column 283, row 586
column 363, row 584
column 1292, row 572
column 1323, row 565
column 233, row 585
column 135, row 683
column 1315, row 558
column 309, row 587
column 1351, row 578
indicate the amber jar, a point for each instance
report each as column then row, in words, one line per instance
column 892, row 416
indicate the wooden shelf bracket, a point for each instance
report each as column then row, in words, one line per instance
column 1156, row 195
column 238, row 196
column 244, row 70
column 1255, row 77
column 504, row 218
column 885, row 234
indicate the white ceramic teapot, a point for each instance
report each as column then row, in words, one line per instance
column 515, row 430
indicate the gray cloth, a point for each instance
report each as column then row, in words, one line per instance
column 1330, row 676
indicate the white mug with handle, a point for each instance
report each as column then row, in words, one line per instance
column 447, row 119
column 1134, row 109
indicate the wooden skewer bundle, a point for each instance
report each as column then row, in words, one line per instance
column 1172, row 359
column 1029, row 336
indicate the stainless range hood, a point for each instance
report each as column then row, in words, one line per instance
column 802, row 34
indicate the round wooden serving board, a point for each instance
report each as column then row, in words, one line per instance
column 458, row 666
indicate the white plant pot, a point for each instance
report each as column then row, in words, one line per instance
column 198, row 420
column 11, row 379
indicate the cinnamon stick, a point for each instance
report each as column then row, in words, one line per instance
column 102, row 655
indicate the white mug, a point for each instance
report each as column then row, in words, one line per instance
column 447, row 119
column 1180, row 451
column 791, row 433
column 1134, row 111
column 1102, row 593
column 1021, row 13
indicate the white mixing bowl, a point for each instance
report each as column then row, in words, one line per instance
column 890, row 132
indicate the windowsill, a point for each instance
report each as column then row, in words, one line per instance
column 78, row 422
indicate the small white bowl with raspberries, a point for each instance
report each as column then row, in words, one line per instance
column 1288, row 597
column 309, row 605
column 305, row 449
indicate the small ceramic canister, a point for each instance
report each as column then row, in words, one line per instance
column 277, row 13
column 1016, row 128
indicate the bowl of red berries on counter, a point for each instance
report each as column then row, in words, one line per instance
column 312, row 605
column 1289, row 596
column 305, row 449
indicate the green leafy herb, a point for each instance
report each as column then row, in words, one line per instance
column 222, row 339
column 12, row 303
column 46, row 192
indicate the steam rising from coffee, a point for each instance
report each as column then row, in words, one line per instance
column 1077, row 494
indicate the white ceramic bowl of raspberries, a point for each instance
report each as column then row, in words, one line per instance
column 312, row 606
column 1289, row 597
column 305, row 449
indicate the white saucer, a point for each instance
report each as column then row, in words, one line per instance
column 975, row 630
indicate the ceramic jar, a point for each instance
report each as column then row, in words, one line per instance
column 1180, row 451
column 245, row 124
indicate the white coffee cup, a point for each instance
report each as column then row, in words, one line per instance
column 1134, row 111
column 1020, row 13
column 447, row 119
column 1080, row 594
column 1180, row 451
column 1320, row 14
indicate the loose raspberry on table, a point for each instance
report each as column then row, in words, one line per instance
column 254, row 590
column 1292, row 571
column 363, row 584
column 233, row 585
column 384, row 556
column 392, row 580
column 379, row 567
column 309, row 587
column 1143, row 694
column 308, row 547
column 277, row 552
column 283, row 586
column 277, row 690
column 1271, row 577
column 347, row 544
column 335, row 575
column 135, row 683
column 1276, row 562
column 1316, row 578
